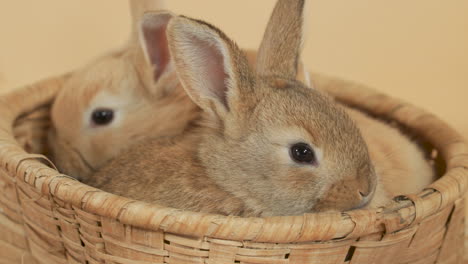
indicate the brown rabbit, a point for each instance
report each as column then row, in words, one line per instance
column 266, row 144
column 106, row 106
column 120, row 99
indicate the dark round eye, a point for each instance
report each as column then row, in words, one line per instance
column 302, row 153
column 102, row 116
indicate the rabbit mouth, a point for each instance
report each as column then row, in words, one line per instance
column 365, row 200
column 79, row 167
column 67, row 158
column 364, row 203
column 83, row 160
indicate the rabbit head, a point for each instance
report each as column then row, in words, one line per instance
column 117, row 100
column 274, row 142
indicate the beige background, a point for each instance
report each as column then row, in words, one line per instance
column 416, row 50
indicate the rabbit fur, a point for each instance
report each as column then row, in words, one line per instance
column 236, row 159
column 203, row 171
column 138, row 83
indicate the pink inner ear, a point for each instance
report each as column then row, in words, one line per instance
column 157, row 47
column 212, row 70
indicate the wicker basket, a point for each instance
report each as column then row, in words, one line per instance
column 46, row 217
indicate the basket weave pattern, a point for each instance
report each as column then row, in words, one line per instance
column 46, row 217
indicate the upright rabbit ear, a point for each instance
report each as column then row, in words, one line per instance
column 281, row 45
column 212, row 69
column 153, row 40
column 303, row 75
column 140, row 7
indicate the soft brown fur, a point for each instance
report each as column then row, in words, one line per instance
column 79, row 148
column 141, row 88
column 237, row 160
column 134, row 80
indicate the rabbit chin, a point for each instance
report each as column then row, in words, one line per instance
column 68, row 160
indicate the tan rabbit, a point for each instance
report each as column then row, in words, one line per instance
column 120, row 99
column 266, row 144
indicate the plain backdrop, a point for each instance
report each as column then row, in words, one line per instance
column 413, row 49
column 416, row 50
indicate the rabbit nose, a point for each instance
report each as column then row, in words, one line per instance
column 363, row 201
column 366, row 190
column 366, row 197
column 364, row 194
column 367, row 185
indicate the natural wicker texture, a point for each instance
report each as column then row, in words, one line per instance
column 46, row 217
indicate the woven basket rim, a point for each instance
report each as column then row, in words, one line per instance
column 404, row 213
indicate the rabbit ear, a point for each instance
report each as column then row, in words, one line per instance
column 303, row 75
column 281, row 45
column 211, row 67
column 153, row 40
column 139, row 7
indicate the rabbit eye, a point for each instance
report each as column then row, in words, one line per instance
column 302, row 153
column 102, row 116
